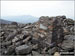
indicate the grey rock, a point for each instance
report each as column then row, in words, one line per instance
column 6, row 43
column 68, row 43
column 32, row 38
column 24, row 49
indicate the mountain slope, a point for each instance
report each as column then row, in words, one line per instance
column 2, row 21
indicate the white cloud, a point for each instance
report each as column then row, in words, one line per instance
column 37, row 8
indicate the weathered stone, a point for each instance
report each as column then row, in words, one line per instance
column 22, row 41
column 51, row 51
column 15, row 39
column 35, row 38
column 10, row 50
column 6, row 43
column 43, row 27
column 10, row 37
column 24, row 49
column 35, row 53
column 2, row 34
column 57, row 54
column 68, row 43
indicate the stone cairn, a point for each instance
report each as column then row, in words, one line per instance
column 36, row 39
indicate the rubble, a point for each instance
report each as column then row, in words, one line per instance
column 35, row 38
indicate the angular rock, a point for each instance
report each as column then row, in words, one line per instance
column 10, row 50
column 43, row 27
column 24, row 49
column 68, row 43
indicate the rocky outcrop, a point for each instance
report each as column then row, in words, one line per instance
column 35, row 38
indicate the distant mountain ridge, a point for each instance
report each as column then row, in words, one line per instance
column 22, row 19
column 2, row 21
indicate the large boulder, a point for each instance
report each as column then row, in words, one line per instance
column 23, row 49
column 68, row 43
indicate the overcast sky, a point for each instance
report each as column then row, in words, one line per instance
column 37, row 8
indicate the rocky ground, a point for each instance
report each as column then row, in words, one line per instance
column 34, row 39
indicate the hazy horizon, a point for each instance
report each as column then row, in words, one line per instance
column 37, row 8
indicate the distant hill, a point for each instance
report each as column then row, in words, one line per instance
column 22, row 19
column 2, row 21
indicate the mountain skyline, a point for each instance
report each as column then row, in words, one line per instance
column 21, row 18
column 2, row 21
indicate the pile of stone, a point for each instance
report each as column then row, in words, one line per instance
column 34, row 39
